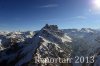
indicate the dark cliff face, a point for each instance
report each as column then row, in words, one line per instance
column 53, row 29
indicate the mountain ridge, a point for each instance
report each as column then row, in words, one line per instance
column 21, row 48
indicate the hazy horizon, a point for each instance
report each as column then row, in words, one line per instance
column 43, row 26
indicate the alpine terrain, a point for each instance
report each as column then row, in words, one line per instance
column 50, row 46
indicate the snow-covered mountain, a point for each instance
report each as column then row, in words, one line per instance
column 85, row 42
column 49, row 42
column 25, row 48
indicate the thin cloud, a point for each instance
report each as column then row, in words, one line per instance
column 49, row 6
column 81, row 17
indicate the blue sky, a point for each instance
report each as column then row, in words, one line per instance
column 34, row 14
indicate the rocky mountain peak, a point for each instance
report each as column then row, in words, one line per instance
column 51, row 27
column 86, row 30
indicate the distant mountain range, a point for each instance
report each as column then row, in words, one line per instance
column 22, row 48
